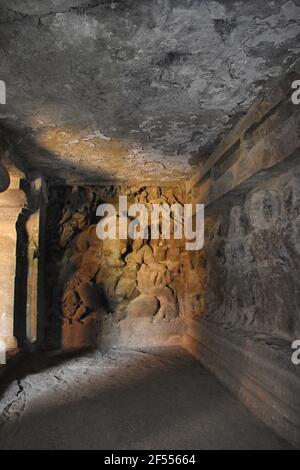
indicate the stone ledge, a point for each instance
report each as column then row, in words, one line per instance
column 257, row 369
column 140, row 332
column 264, row 142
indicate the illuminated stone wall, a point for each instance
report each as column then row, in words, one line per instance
column 97, row 286
column 248, row 272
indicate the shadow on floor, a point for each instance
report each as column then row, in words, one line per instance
column 125, row 399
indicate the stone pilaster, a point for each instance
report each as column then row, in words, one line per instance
column 35, row 233
column 11, row 204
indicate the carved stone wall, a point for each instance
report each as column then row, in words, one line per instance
column 93, row 285
column 248, row 272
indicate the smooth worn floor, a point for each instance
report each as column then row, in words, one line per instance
column 151, row 399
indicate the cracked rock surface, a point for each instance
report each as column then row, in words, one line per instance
column 106, row 91
column 125, row 399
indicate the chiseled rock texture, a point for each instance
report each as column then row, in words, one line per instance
column 94, row 286
column 248, row 272
column 102, row 90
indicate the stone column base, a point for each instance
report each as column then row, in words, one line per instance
column 9, row 341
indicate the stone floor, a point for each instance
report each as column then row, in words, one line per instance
column 125, row 399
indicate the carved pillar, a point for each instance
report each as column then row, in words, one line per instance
column 35, row 227
column 11, row 204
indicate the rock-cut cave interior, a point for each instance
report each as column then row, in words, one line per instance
column 126, row 343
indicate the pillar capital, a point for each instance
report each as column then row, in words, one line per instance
column 12, row 200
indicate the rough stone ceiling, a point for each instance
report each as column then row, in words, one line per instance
column 135, row 89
